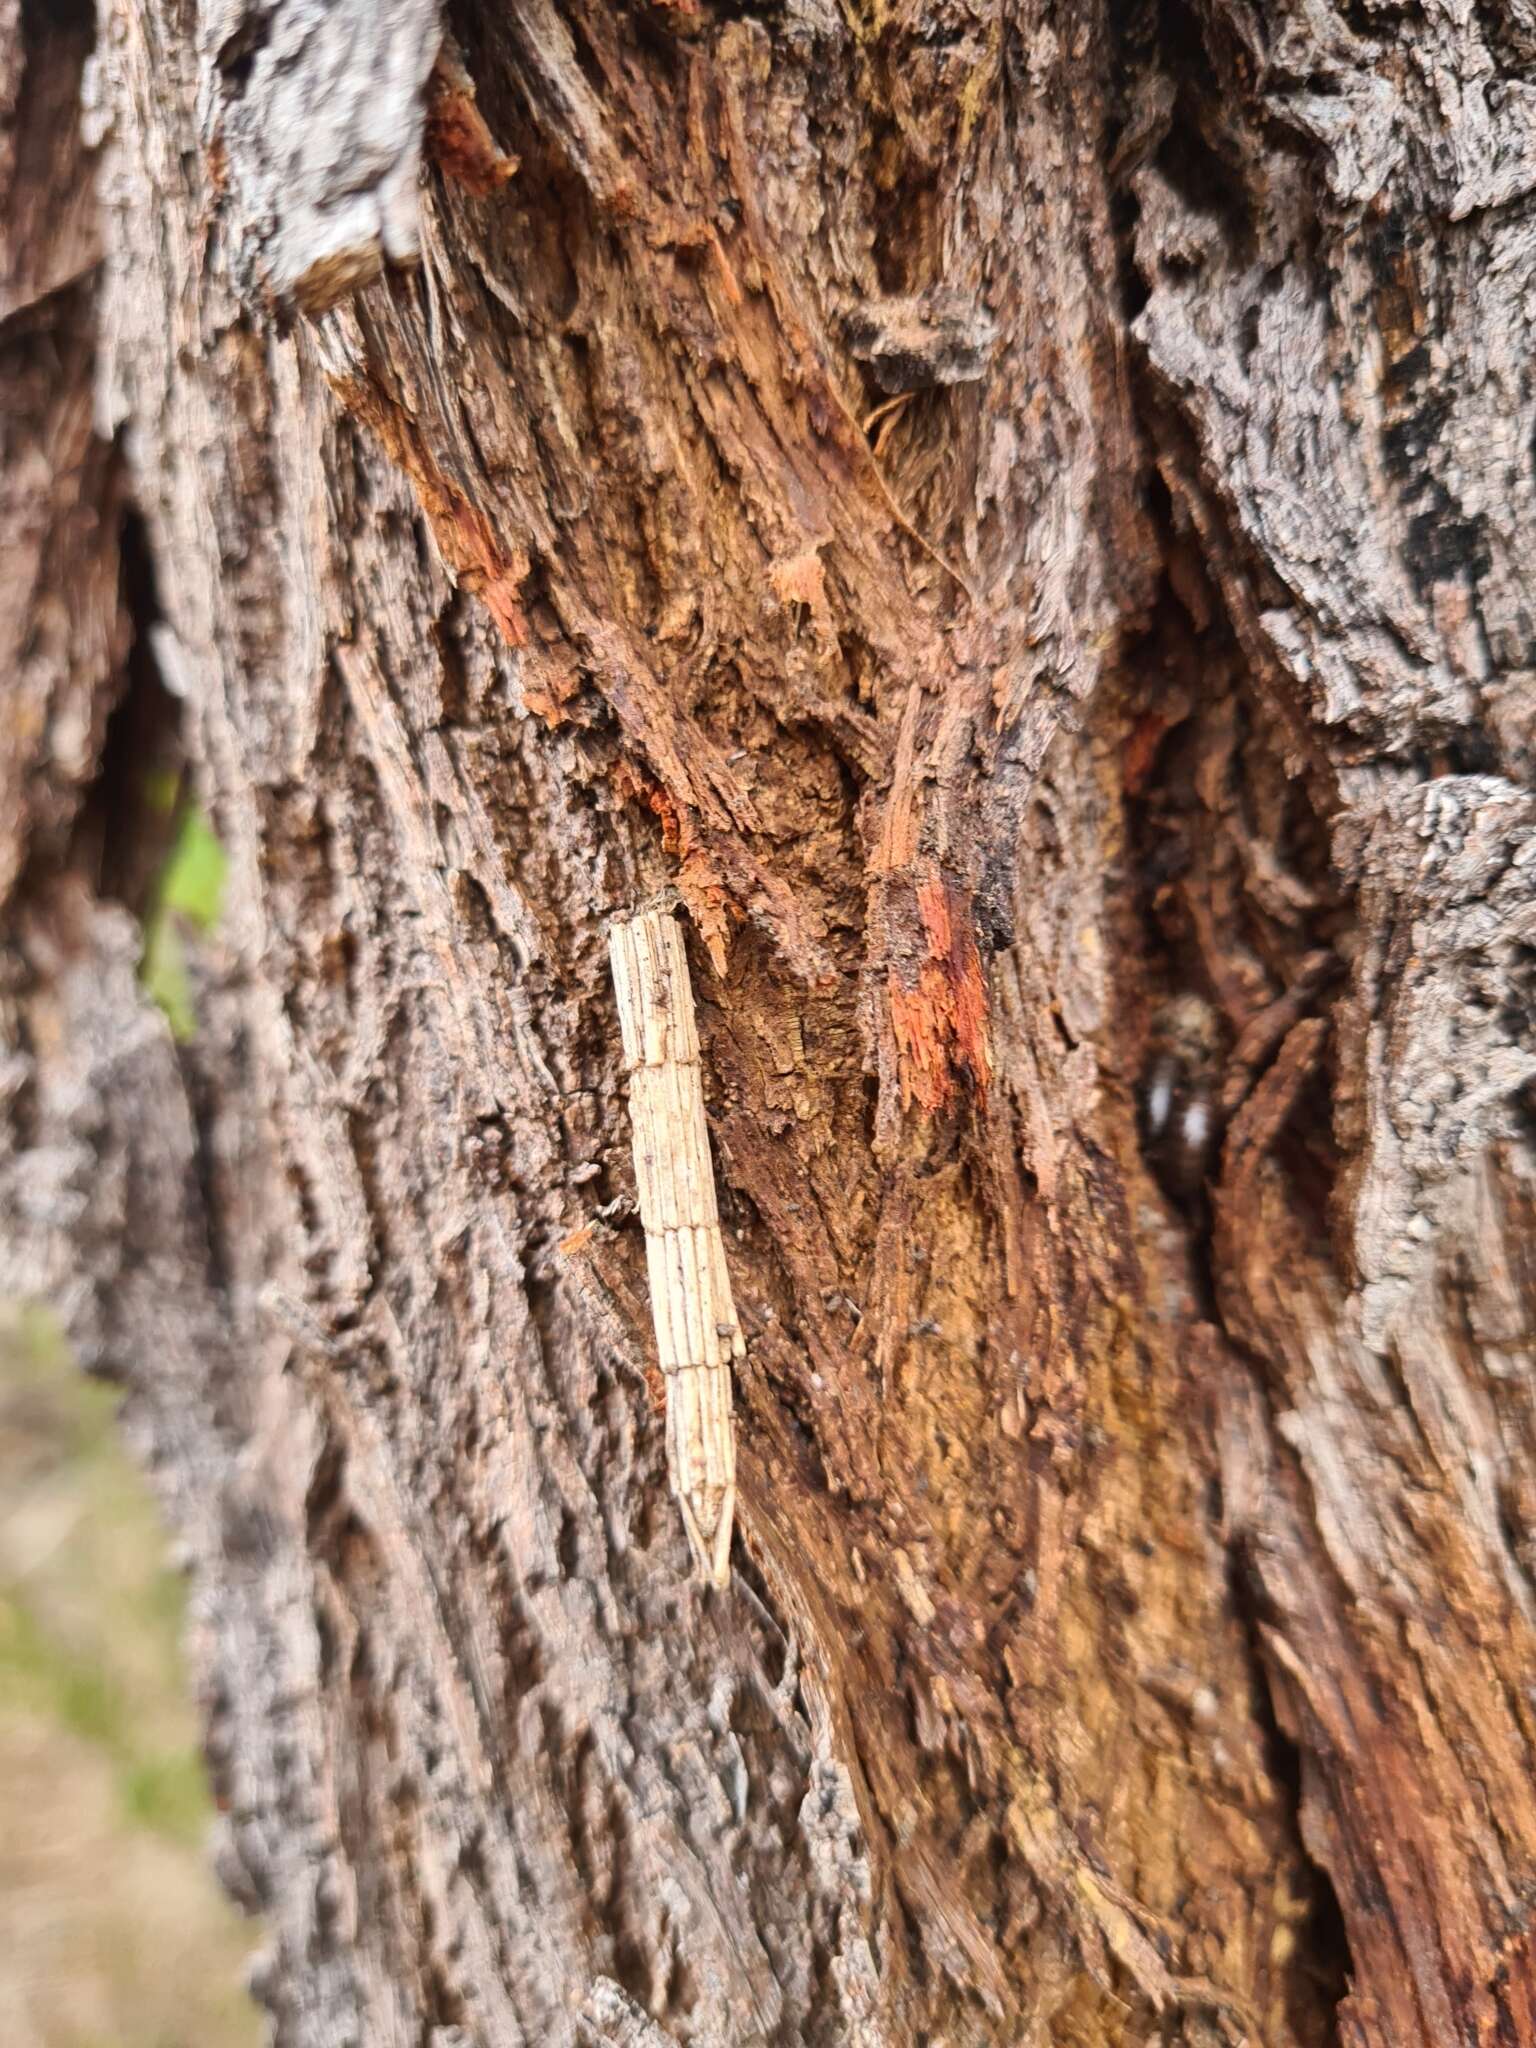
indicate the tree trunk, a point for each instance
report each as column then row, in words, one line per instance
column 1024, row 517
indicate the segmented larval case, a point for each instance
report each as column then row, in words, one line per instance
column 697, row 1334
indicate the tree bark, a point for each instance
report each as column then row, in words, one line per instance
column 1024, row 518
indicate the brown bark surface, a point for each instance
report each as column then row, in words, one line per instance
column 1023, row 516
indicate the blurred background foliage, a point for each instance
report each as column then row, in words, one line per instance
column 113, row 1931
column 188, row 892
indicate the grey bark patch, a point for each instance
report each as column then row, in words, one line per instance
column 912, row 343
column 314, row 113
column 1441, row 1012
column 612, row 2017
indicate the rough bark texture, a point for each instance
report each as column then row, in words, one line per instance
column 1020, row 513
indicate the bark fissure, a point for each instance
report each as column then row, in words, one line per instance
column 1323, row 1962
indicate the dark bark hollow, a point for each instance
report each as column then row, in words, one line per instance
column 1025, row 517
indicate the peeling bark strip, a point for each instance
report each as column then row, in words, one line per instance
column 696, row 1329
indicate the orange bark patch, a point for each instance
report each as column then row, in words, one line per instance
column 547, row 693
column 662, row 803
column 801, row 580
column 457, row 138
column 709, row 904
column 698, row 881
column 940, row 1025
column 636, row 788
column 1141, row 751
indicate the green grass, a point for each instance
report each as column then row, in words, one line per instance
column 156, row 1788
column 112, row 1929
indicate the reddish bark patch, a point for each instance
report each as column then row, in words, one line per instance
column 940, row 1024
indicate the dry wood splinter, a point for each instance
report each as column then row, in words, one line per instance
column 697, row 1334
